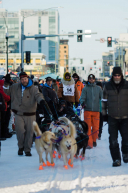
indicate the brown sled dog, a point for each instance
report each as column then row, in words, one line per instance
column 43, row 143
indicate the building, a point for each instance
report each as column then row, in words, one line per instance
column 35, row 22
column 37, row 65
column 63, row 56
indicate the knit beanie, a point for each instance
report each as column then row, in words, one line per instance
column 75, row 75
column 91, row 76
column 23, row 74
column 117, row 70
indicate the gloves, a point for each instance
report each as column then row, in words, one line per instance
column 105, row 118
column 76, row 104
column 83, row 105
column 7, row 78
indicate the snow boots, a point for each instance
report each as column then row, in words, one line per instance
column 125, row 158
column 116, row 163
column 20, row 151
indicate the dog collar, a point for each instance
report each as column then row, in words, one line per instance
column 38, row 137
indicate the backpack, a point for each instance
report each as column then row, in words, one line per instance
column 2, row 103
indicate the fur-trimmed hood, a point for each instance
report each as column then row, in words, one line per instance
column 65, row 82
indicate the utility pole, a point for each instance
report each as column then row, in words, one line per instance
column 7, row 51
column 22, row 45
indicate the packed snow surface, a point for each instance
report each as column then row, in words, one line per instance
column 20, row 174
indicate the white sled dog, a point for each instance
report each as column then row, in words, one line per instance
column 43, row 143
column 68, row 143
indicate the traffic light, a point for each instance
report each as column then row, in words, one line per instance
column 94, row 62
column 28, row 57
column 79, row 37
column 90, row 68
column 99, row 69
column 109, row 41
column 108, row 63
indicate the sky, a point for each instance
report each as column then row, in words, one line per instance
column 107, row 18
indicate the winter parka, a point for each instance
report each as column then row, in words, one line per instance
column 80, row 87
column 26, row 103
column 49, row 94
column 115, row 101
column 91, row 94
column 60, row 92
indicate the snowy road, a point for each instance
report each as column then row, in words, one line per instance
column 94, row 174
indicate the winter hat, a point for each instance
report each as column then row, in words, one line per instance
column 67, row 74
column 75, row 75
column 7, row 78
column 117, row 70
column 48, row 79
column 23, row 74
column 91, row 76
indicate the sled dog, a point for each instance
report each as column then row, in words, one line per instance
column 43, row 143
column 68, row 143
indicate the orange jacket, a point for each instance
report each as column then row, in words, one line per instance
column 80, row 87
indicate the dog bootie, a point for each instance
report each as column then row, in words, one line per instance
column 69, row 163
column 48, row 163
column 44, row 165
column 54, row 156
column 41, row 168
column 55, row 152
column 53, row 164
column 66, row 167
column 116, row 163
column 59, row 156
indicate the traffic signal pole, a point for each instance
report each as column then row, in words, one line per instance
column 42, row 37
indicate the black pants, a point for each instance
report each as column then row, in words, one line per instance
column 116, row 125
column 100, row 125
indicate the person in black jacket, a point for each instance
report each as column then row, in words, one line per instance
column 50, row 97
column 115, row 100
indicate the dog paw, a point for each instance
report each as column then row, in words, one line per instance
column 48, row 163
column 59, row 156
column 82, row 158
column 54, row 156
column 44, row 164
column 66, row 167
column 41, row 168
column 55, row 152
column 53, row 164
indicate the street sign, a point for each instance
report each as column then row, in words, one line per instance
column 102, row 40
column 70, row 34
column 88, row 32
column 10, row 66
column 116, row 40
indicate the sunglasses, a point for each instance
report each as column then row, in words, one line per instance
column 118, row 75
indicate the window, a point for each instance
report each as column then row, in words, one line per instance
column 64, row 46
column 64, row 51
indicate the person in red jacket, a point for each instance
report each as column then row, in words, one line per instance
column 4, row 129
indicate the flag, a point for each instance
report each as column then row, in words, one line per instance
column 0, row 1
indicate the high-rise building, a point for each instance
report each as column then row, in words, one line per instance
column 63, row 56
column 35, row 22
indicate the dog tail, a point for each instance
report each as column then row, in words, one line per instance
column 72, row 127
column 36, row 129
